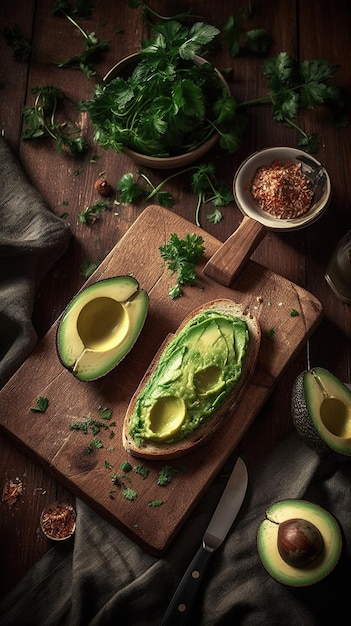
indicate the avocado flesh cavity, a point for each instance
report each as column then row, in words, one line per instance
column 196, row 372
column 267, row 542
column 321, row 410
column 100, row 326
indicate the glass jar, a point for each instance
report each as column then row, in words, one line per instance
column 338, row 273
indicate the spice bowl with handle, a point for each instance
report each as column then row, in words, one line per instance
column 229, row 259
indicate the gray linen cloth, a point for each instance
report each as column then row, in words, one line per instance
column 104, row 578
column 32, row 238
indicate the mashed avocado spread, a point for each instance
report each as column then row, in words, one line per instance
column 195, row 373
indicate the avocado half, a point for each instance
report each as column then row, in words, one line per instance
column 100, row 326
column 321, row 411
column 267, row 542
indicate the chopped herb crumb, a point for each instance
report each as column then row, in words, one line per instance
column 105, row 413
column 165, row 475
column 126, row 467
column 141, row 470
column 41, row 406
column 95, row 443
column 129, row 493
column 270, row 333
column 155, row 503
column 294, row 313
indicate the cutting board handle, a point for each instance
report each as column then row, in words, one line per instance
column 229, row 259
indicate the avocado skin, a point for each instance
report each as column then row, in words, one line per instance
column 124, row 290
column 308, row 427
column 301, row 418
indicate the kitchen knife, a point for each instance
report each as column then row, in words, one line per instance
column 227, row 509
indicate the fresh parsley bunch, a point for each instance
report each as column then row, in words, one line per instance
column 169, row 104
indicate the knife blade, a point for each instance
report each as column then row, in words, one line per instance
column 179, row 609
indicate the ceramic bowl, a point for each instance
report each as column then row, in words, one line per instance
column 171, row 162
column 311, row 167
column 58, row 521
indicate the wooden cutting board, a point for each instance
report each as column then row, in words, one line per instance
column 64, row 452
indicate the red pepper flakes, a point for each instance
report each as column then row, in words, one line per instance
column 282, row 190
column 58, row 521
column 11, row 492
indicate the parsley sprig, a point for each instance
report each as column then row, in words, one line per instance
column 146, row 10
column 91, row 42
column 182, row 256
column 14, row 38
column 204, row 182
column 293, row 87
column 92, row 212
column 256, row 40
column 41, row 121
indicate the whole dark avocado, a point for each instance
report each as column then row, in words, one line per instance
column 321, row 411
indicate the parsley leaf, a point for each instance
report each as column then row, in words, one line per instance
column 92, row 212
column 165, row 475
column 87, row 268
column 41, row 405
column 129, row 493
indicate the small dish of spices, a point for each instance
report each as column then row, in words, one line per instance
column 58, row 521
column 283, row 188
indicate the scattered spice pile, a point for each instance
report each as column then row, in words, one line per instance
column 58, row 521
column 282, row 190
column 11, row 492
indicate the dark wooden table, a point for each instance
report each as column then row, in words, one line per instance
column 306, row 30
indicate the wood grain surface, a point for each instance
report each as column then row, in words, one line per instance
column 306, row 30
column 63, row 452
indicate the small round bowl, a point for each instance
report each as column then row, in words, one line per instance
column 58, row 521
column 310, row 166
column 171, row 162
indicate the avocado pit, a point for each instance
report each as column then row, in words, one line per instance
column 299, row 542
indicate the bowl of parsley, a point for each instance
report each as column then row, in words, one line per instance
column 165, row 106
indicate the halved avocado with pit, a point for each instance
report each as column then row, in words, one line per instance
column 321, row 410
column 100, row 326
column 268, row 548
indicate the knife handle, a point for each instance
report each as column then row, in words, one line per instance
column 181, row 604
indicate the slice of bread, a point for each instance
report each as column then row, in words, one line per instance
column 161, row 450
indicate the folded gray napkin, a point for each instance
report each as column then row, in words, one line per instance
column 103, row 578
column 32, row 238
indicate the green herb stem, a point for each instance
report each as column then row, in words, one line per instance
column 70, row 19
